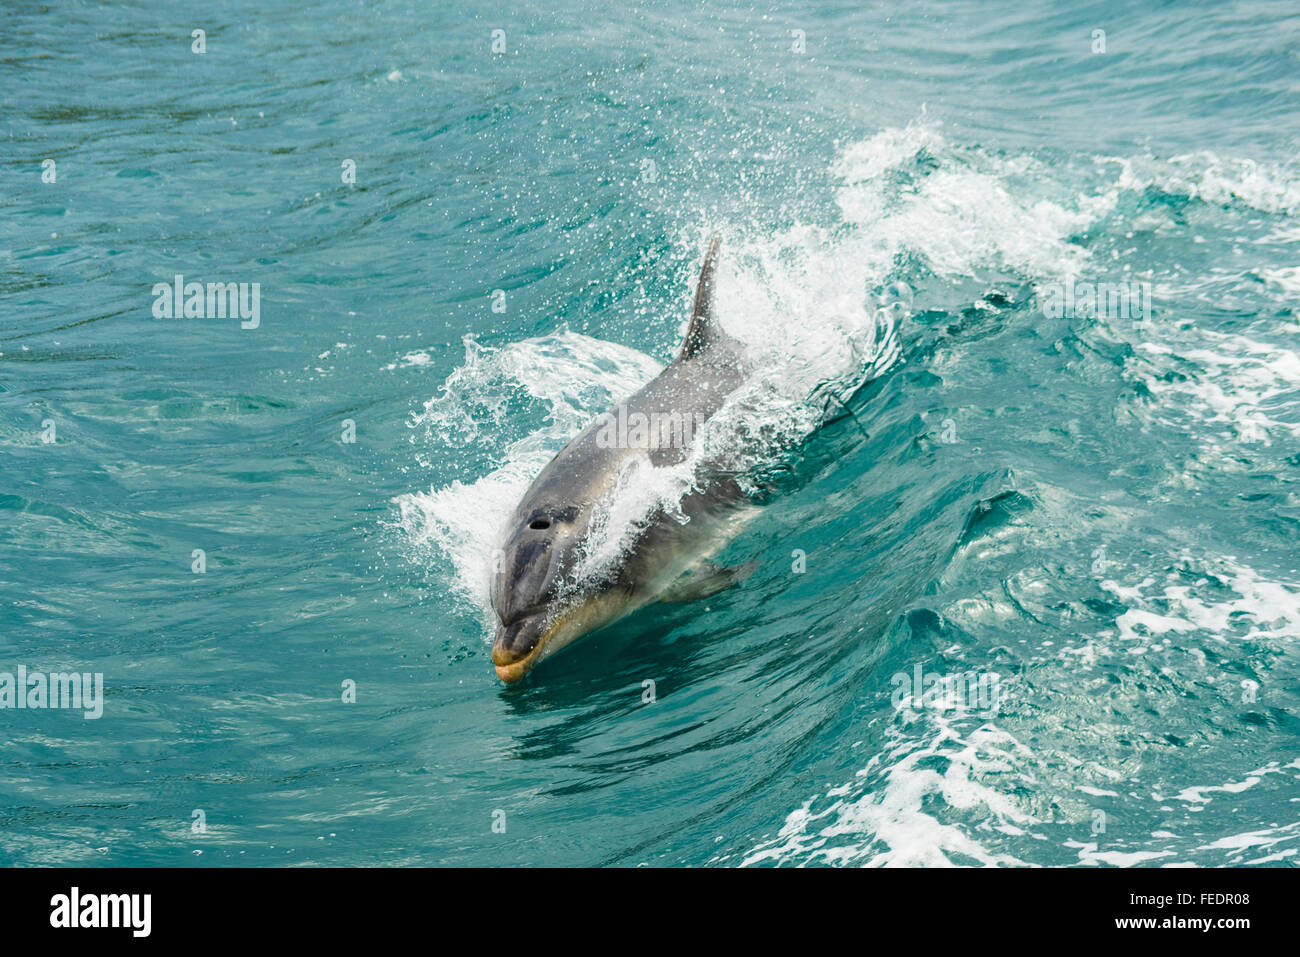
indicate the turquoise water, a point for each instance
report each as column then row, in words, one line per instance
column 1098, row 509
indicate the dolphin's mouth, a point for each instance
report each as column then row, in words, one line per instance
column 519, row 646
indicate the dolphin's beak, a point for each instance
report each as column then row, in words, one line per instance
column 519, row 646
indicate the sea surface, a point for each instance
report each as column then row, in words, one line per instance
column 1022, row 285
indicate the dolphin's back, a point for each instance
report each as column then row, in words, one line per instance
column 688, row 390
column 708, row 368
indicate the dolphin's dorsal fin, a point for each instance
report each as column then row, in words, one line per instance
column 703, row 331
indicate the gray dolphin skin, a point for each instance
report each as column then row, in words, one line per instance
column 539, row 603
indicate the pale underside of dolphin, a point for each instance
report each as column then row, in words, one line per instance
column 540, row 605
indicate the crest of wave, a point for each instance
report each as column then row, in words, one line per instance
column 961, row 211
column 810, row 335
column 817, row 309
column 889, row 814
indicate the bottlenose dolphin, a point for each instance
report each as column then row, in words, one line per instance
column 539, row 600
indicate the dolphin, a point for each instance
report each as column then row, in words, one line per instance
column 540, row 602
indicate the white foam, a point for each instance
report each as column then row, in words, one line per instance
column 1206, row 176
column 1235, row 381
column 1196, row 795
column 1089, row 854
column 961, row 216
column 889, row 823
column 1286, row 279
column 573, row 377
column 1262, row 609
column 1262, row 838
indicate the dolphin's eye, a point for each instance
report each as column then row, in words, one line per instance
column 540, row 523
